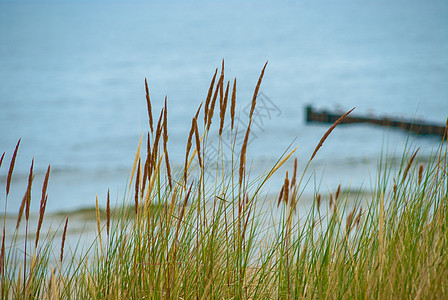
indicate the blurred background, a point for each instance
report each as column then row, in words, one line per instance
column 72, row 84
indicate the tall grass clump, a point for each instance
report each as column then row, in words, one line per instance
column 199, row 232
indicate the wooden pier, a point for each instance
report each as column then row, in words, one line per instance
column 415, row 127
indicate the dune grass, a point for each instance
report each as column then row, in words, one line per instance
column 185, row 233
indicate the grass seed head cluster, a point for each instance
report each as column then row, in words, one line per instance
column 181, row 233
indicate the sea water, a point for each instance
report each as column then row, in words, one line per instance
column 72, row 84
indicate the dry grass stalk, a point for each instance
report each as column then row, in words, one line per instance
column 324, row 137
column 137, row 181
column 134, row 165
column 245, row 204
column 22, row 207
column 222, row 112
column 293, row 181
column 209, row 96
column 28, row 192
column 155, row 147
column 108, row 213
column 213, row 103
column 168, row 169
column 98, row 225
column 190, row 136
column 165, row 143
column 233, row 104
column 43, row 205
column 27, row 197
column 148, row 151
column 2, row 256
column 278, row 165
column 420, row 173
column 11, row 168
column 395, row 187
column 221, row 87
column 165, row 122
column 197, row 112
column 149, row 159
column 293, row 197
column 348, row 221
column 1, row 159
column 198, row 141
column 409, row 165
column 193, row 130
column 44, row 187
column 159, row 129
column 222, row 67
column 358, row 217
column 445, row 133
column 319, row 200
column 286, row 191
column 338, row 191
column 257, row 88
column 64, row 234
column 148, row 103
column 280, row 197
column 147, row 167
column 52, row 286
column 221, row 90
column 243, row 155
column 331, row 200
